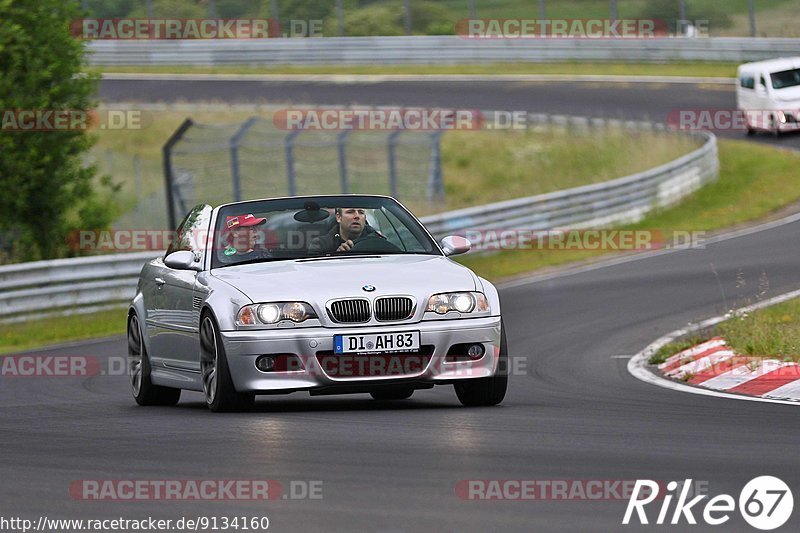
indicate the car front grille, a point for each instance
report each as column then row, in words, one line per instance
column 350, row 311
column 393, row 308
column 353, row 366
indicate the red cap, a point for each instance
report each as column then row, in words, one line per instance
column 243, row 221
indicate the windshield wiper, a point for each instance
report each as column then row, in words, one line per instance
column 259, row 260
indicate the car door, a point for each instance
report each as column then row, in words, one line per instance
column 174, row 324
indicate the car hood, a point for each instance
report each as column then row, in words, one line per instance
column 324, row 279
column 788, row 96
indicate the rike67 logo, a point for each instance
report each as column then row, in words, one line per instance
column 765, row 503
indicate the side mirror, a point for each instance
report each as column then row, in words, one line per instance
column 454, row 245
column 182, row 260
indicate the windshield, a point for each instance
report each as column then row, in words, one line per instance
column 787, row 78
column 313, row 227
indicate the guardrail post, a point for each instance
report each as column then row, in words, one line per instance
column 435, row 182
column 234, row 149
column 391, row 146
column 340, row 17
column 169, row 177
column 341, row 143
column 274, row 14
column 288, row 143
column 407, row 16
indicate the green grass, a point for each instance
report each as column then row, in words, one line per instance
column 28, row 335
column 690, row 69
column 670, row 349
column 486, row 166
column 770, row 332
column 754, row 182
column 775, row 18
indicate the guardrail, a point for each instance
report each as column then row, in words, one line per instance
column 82, row 284
column 93, row 283
column 623, row 200
column 432, row 50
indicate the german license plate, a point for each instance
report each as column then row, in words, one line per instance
column 402, row 341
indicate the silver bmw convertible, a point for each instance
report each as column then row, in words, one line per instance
column 325, row 294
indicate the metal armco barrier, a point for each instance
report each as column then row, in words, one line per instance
column 433, row 50
column 91, row 283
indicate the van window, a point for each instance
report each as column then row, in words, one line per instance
column 763, row 82
column 786, row 78
column 748, row 81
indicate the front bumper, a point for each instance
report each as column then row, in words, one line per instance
column 310, row 344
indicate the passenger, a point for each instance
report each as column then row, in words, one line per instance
column 243, row 238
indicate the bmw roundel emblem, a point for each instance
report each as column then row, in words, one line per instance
column 368, row 288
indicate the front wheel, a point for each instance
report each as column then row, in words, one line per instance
column 487, row 391
column 144, row 392
column 218, row 389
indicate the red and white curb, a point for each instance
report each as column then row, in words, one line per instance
column 712, row 369
column 714, row 365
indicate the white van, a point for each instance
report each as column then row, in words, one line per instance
column 769, row 94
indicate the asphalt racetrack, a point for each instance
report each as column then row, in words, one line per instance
column 572, row 412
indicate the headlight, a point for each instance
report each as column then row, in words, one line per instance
column 463, row 302
column 274, row 312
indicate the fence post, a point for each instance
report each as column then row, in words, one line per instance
column 137, row 175
column 274, row 14
column 288, row 143
column 234, row 149
column 341, row 142
column 169, row 178
column 391, row 145
column 435, row 182
column 340, row 17
column 407, row 16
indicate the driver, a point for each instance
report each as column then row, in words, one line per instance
column 351, row 226
column 243, row 237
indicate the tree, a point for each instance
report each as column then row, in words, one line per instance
column 47, row 190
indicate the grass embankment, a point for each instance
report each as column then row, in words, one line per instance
column 754, row 181
column 688, row 69
column 29, row 335
column 772, row 332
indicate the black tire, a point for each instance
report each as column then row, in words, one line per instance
column 776, row 129
column 392, row 394
column 484, row 392
column 144, row 392
column 219, row 392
